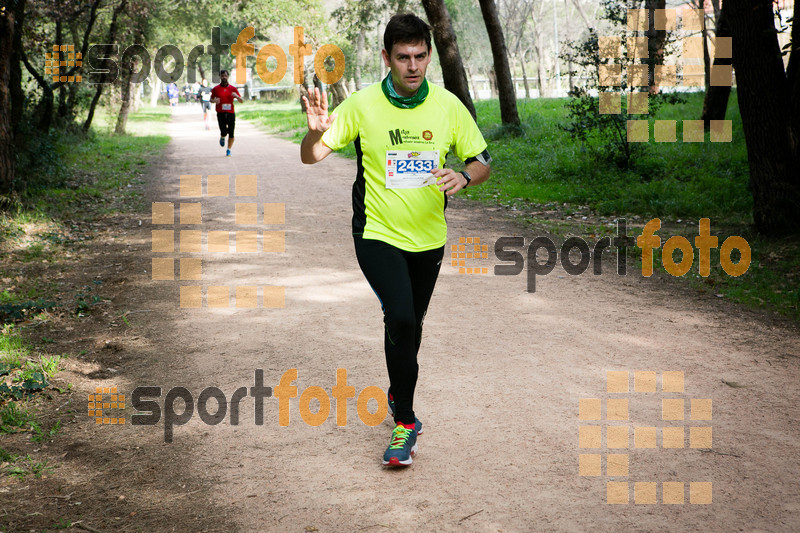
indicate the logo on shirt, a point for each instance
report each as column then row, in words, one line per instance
column 400, row 136
column 395, row 137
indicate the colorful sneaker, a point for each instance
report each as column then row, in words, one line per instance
column 228, row 152
column 417, row 423
column 402, row 447
column 222, row 141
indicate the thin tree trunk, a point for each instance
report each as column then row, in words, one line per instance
column 793, row 72
column 492, row 82
column 122, row 117
column 765, row 102
column 339, row 92
column 156, row 90
column 455, row 80
column 715, row 102
column 706, row 56
column 112, row 39
column 539, row 64
column 15, row 81
column 656, row 39
column 127, row 86
column 505, row 85
column 525, row 75
column 582, row 13
column 471, row 79
column 137, row 97
column 359, row 57
column 7, row 163
column 46, row 103
column 62, row 90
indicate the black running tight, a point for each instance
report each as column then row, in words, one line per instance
column 403, row 282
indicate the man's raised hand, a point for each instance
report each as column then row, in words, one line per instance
column 317, row 111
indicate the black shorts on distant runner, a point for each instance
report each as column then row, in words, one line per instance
column 226, row 122
column 206, row 106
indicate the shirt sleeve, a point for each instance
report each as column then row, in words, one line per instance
column 469, row 141
column 344, row 129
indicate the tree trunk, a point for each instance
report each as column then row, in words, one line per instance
column 62, row 89
column 470, row 77
column 112, row 39
column 156, row 90
column 7, row 170
column 127, row 86
column 122, row 117
column 505, row 85
column 656, row 39
column 706, row 57
column 339, row 92
column 539, row 64
column 45, row 105
column 525, row 75
column 793, row 72
column 492, row 82
column 582, row 13
column 359, row 57
column 715, row 102
column 455, row 80
column 764, row 102
column 15, row 87
column 137, row 97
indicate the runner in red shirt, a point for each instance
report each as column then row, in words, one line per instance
column 223, row 95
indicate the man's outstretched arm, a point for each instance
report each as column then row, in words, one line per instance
column 312, row 149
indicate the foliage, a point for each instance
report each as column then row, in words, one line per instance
column 605, row 134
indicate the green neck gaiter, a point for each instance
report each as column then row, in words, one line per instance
column 404, row 102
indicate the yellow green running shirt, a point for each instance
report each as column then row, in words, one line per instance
column 410, row 219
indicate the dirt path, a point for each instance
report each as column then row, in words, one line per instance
column 502, row 375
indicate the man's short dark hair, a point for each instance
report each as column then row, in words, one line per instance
column 406, row 28
column 223, row 71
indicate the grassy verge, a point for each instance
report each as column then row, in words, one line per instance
column 41, row 237
column 563, row 186
column 97, row 175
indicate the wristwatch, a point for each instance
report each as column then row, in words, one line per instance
column 469, row 178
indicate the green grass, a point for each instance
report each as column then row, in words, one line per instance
column 91, row 176
column 678, row 180
column 107, row 167
column 12, row 348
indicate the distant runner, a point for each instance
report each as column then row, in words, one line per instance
column 204, row 95
column 172, row 94
column 223, row 95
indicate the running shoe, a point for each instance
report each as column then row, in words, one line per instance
column 402, row 447
column 417, row 423
column 228, row 152
column 222, row 141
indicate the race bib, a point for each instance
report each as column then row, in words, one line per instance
column 226, row 107
column 410, row 169
column 206, row 97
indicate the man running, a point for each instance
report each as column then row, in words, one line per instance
column 403, row 129
column 172, row 94
column 223, row 95
column 204, row 95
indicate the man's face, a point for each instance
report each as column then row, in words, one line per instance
column 408, row 63
column 223, row 78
